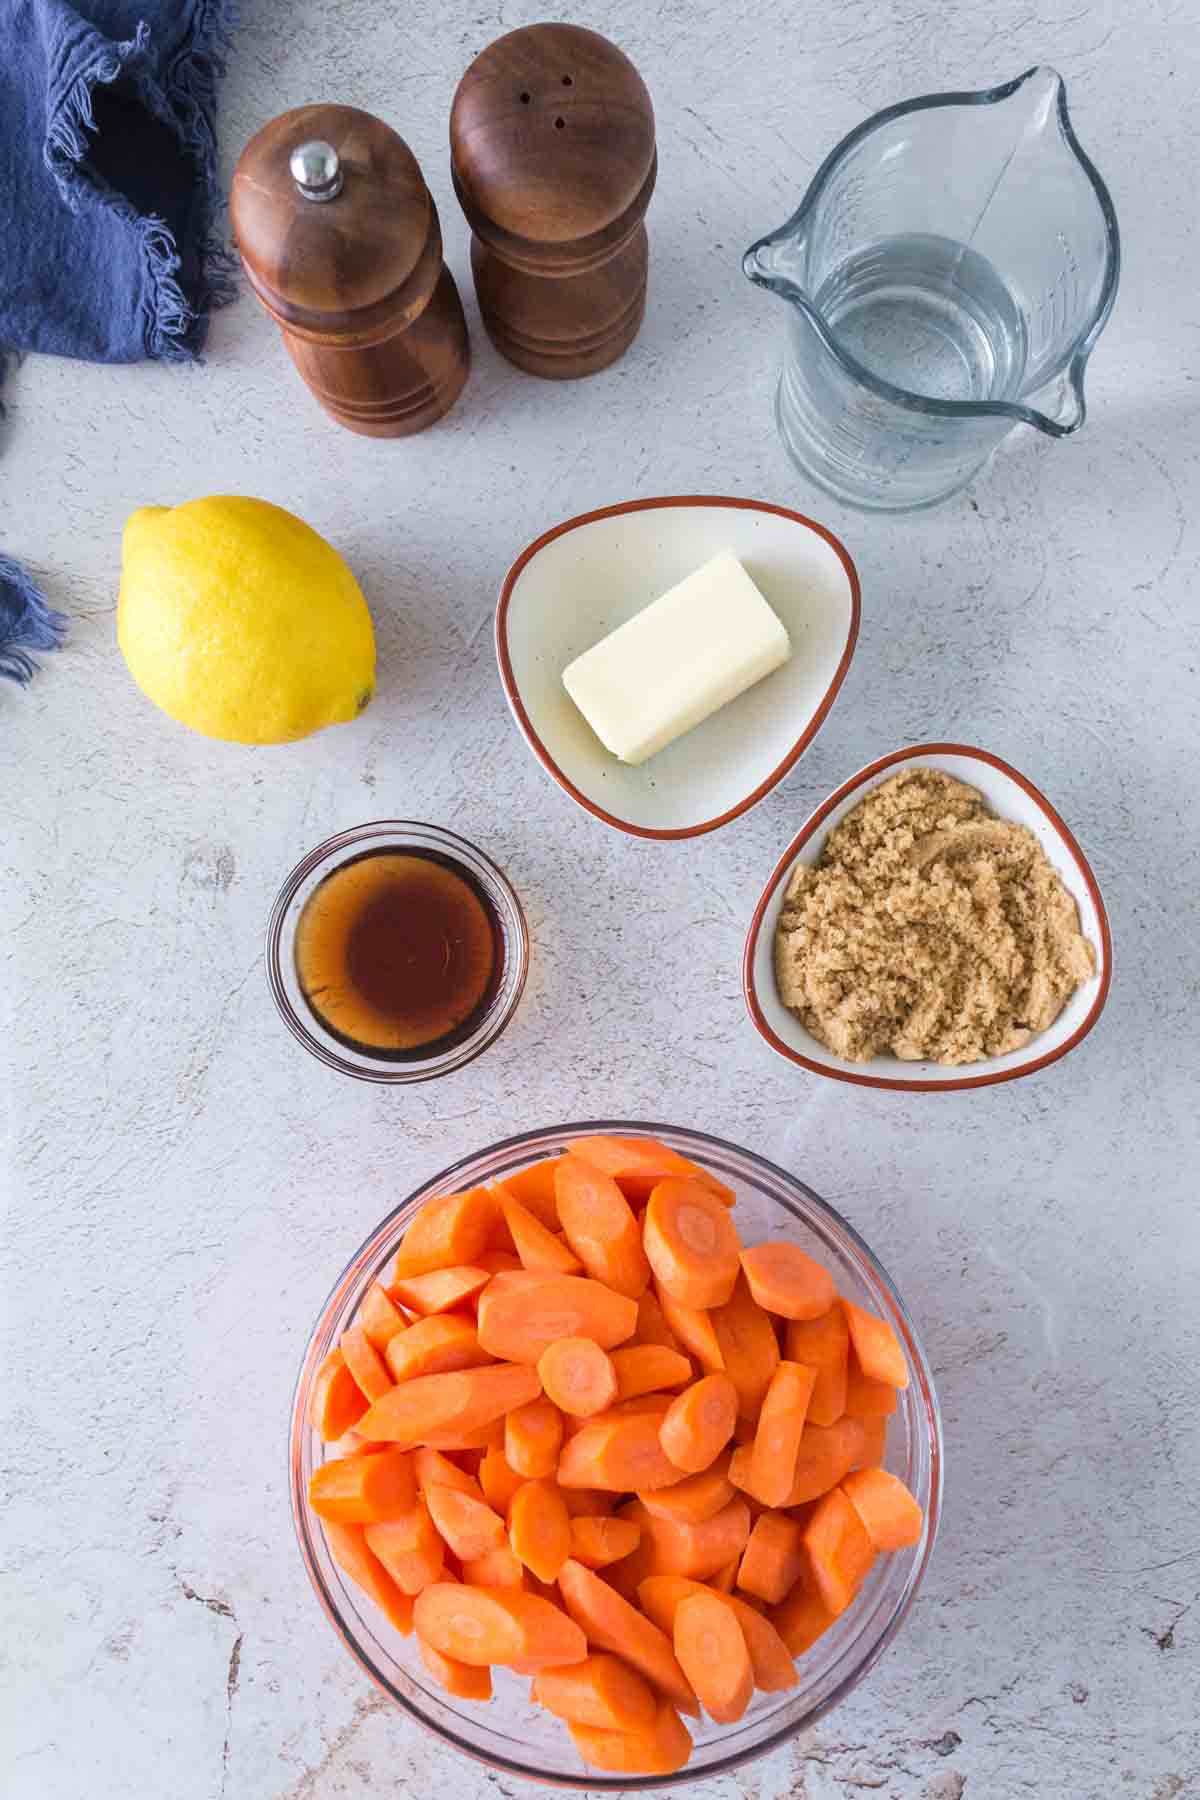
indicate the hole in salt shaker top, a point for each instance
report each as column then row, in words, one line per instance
column 559, row 123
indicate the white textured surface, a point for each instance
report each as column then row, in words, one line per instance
column 182, row 1183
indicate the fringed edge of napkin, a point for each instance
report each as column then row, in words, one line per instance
column 27, row 622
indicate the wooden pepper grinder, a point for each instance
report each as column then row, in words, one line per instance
column 553, row 157
column 341, row 242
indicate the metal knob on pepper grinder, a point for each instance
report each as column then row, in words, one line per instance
column 341, row 243
column 553, row 155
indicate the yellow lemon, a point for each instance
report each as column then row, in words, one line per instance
column 240, row 621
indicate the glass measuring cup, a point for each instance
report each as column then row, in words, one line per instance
column 948, row 273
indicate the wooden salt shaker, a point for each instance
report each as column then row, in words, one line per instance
column 553, row 157
column 341, row 243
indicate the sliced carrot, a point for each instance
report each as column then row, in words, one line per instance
column 337, row 1400
column 660, row 1595
column 539, row 1528
column 712, row 1653
column 588, row 1503
column 699, row 1423
column 640, row 1403
column 823, row 1343
column 611, row 1623
column 533, row 1436
column 874, row 1443
column 696, row 1499
column 837, row 1551
column 660, row 1749
column 534, row 1188
column 497, row 1262
column 520, row 1314
column 674, row 1547
column 652, row 1327
column 578, row 1376
column 691, row 1242
column 620, row 1454
column 877, row 1349
column 441, row 1289
column 417, row 1411
column 435, row 1346
column 801, row 1618
column 447, row 1232
column 867, row 1398
column 410, row 1548
column 540, row 1250
column 461, row 1679
column 495, row 1568
column 600, row 1691
column 893, row 1518
column 379, row 1316
column 596, row 1542
column 777, row 1439
column 460, row 1440
column 357, row 1490
column 349, row 1548
column 642, row 1368
column 749, row 1348
column 497, row 1625
column 469, row 1526
column 497, row 1477
column 694, row 1330
column 826, row 1453
column 773, row 1557
column 600, row 1227
column 786, row 1280
column 639, row 1164
column 430, row 1466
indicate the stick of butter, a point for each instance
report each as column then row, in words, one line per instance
column 680, row 659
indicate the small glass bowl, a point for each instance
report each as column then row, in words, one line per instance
column 394, row 834
column 511, row 1733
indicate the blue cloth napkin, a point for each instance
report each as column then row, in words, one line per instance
column 108, row 204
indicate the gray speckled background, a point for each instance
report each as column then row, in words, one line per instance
column 181, row 1182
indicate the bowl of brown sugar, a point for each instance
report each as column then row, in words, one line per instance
column 934, row 925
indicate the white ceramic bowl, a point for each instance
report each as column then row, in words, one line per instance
column 1012, row 797
column 577, row 582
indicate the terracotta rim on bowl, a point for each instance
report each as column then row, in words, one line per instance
column 539, row 749
column 813, row 825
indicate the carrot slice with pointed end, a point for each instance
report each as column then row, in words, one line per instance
column 611, row 1623
column 694, row 1330
column 777, row 1439
column 521, row 1314
column 539, row 1528
column 773, row 1557
column 337, row 1400
column 674, row 1547
column 652, row 1327
column 596, row 1542
column 540, row 1250
column 659, row 1750
column 497, row 1625
column 874, row 1443
column 643, row 1368
column 448, row 1231
column 712, row 1653
column 639, row 1164
column 877, row 1349
column 601, row 1691
column 787, row 1281
column 600, row 1227
column 357, row 1490
column 432, row 1406
column 464, row 1681
column 379, row 1316
column 837, row 1551
column 495, row 1568
column 801, row 1618
column 893, row 1519
column 534, row 1188
column 430, row 1467
column 533, row 1435
column 468, row 1525
column 660, row 1596
column 441, row 1289
column 435, row 1346
column 578, row 1376
column 620, row 1454
column 699, row 1423
column 696, row 1499
column 691, row 1242
column 497, row 1477
column 749, row 1348
column 824, row 1344
column 409, row 1547
column 867, row 1398
column 349, row 1548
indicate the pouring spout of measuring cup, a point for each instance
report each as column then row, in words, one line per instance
column 776, row 262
